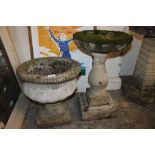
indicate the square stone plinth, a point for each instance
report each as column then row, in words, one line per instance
column 90, row 112
column 51, row 115
column 97, row 96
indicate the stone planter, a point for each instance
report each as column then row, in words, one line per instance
column 49, row 81
column 97, row 102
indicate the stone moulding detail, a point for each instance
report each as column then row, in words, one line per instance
column 70, row 73
column 49, row 93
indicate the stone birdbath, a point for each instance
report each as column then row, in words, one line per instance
column 96, row 102
column 49, row 82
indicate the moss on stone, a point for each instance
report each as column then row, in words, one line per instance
column 48, row 70
column 103, row 36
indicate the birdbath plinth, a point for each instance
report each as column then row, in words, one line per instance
column 48, row 82
column 96, row 102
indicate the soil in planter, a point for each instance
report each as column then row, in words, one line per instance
column 56, row 67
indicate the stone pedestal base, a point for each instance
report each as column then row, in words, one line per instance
column 97, row 103
column 90, row 112
column 97, row 96
column 51, row 115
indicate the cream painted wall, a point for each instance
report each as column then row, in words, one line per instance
column 129, row 60
column 20, row 39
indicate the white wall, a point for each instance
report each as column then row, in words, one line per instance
column 20, row 39
column 113, row 28
column 129, row 60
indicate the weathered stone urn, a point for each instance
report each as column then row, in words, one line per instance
column 97, row 102
column 49, row 81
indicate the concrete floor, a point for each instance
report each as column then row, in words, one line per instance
column 128, row 116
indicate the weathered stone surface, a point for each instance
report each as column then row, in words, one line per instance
column 147, row 31
column 148, row 47
column 133, row 89
column 90, row 112
column 49, row 93
column 50, row 79
column 96, row 102
column 47, row 81
column 97, row 97
column 101, row 41
column 83, row 101
column 52, row 115
column 150, row 41
column 48, row 70
column 145, row 67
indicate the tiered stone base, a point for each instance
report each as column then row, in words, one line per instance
column 51, row 115
column 92, row 110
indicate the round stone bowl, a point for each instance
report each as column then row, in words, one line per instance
column 101, row 41
column 50, row 79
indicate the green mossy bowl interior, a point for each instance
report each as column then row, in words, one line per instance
column 102, row 41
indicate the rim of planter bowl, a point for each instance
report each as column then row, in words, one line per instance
column 102, row 41
column 48, row 70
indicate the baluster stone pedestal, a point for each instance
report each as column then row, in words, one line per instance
column 97, row 103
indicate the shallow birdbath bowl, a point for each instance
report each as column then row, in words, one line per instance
column 49, row 82
column 97, row 103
